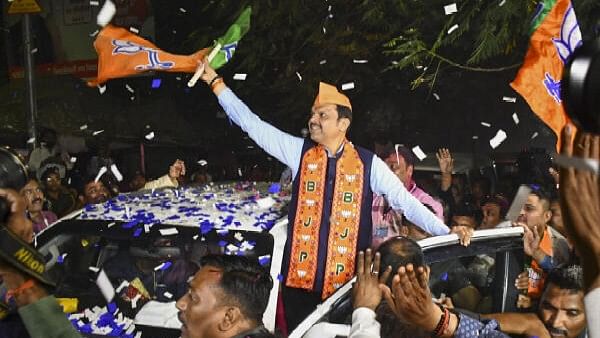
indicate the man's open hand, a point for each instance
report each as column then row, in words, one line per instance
column 366, row 291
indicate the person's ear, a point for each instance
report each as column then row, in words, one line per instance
column 409, row 170
column 547, row 216
column 343, row 124
column 81, row 199
column 230, row 318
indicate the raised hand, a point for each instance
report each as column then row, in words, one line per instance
column 366, row 291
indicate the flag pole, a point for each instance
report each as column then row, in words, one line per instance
column 200, row 68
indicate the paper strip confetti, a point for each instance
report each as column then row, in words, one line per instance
column 452, row 29
column 299, row 76
column 450, row 9
column 31, row 140
column 515, row 118
column 135, row 30
column 485, row 124
column 102, row 171
column 437, row 97
column 107, row 12
column 509, row 99
column 498, row 139
column 123, row 285
column 240, row 76
column 97, row 132
column 115, row 171
column 322, row 62
column 202, row 162
column 360, row 61
column 348, row 86
column 419, row 153
column 163, row 266
column 101, row 89
column 93, row 269
column 149, row 136
column 584, row 164
column 168, row 295
column 535, row 134
column 502, row 3
column 168, row 231
column 105, row 286
column 94, row 3
column 182, row 10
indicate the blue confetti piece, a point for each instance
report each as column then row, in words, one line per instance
column 444, row 277
column 275, row 188
column 280, row 277
column 165, row 265
column 112, row 307
column 264, row 260
column 222, row 244
column 137, row 232
column 61, row 259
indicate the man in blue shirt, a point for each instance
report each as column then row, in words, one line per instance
column 312, row 267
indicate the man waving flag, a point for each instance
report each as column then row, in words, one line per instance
column 555, row 37
column 122, row 53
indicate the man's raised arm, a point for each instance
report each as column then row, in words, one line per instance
column 283, row 146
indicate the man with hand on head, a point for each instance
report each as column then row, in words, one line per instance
column 333, row 186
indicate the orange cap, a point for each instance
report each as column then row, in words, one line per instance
column 329, row 94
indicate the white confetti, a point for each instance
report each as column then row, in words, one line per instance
column 202, row 162
column 33, row 51
column 31, row 140
column 83, row 127
column 168, row 231
column 238, row 236
column 324, row 30
column 240, row 76
column 94, row 3
column 583, row 164
column 240, row 172
column 437, row 97
column 452, row 29
column 168, row 295
column 102, row 171
column 348, row 86
column 322, row 62
column 299, row 76
column 149, row 136
column 93, row 269
column 498, row 139
column 105, row 286
column 101, row 89
column 419, row 153
column 94, row 33
column 360, row 61
column 129, row 88
column 485, row 124
column 116, row 172
column 107, row 12
column 509, row 99
column 515, row 118
column 135, row 300
column 121, row 286
column 502, row 3
column 97, row 132
column 195, row 237
column 450, row 9
column 265, row 203
column 135, row 30
column 182, row 10
column 73, row 159
column 535, row 134
column 110, row 224
column 475, row 137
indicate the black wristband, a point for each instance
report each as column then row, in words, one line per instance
column 214, row 79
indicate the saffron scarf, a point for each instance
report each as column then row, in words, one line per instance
column 343, row 222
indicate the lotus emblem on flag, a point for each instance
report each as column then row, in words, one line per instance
column 128, row 47
column 570, row 35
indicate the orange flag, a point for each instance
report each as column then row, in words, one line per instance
column 556, row 35
column 122, row 53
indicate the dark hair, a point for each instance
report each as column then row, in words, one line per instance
column 344, row 112
column 400, row 251
column 567, row 277
column 244, row 282
column 542, row 193
column 463, row 209
column 403, row 152
column 48, row 171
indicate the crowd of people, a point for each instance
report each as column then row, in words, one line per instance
column 354, row 213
